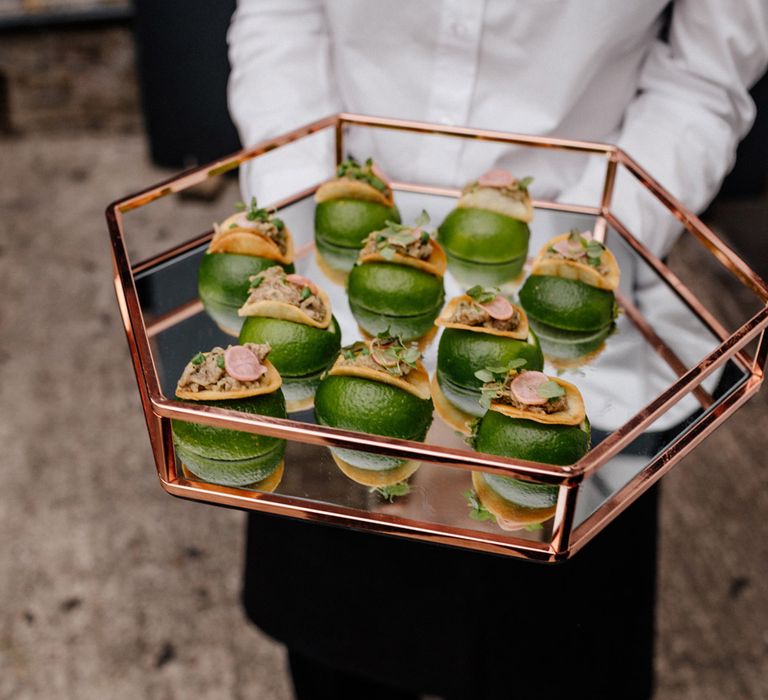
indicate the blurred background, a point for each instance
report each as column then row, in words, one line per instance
column 109, row 587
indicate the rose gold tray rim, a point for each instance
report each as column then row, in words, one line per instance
column 158, row 409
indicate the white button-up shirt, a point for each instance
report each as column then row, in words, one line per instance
column 668, row 86
column 586, row 69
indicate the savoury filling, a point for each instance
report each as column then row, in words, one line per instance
column 206, row 372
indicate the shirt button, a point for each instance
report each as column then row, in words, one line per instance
column 459, row 29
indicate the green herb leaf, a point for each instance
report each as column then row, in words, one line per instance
column 525, row 183
column 392, row 491
column 388, row 252
column 233, row 226
column 516, row 363
column 485, row 375
column 220, row 362
column 255, row 281
column 550, row 390
column 422, row 219
column 483, row 295
column 411, row 355
column 279, row 223
column 306, row 292
column 349, row 355
column 534, row 527
column 477, row 510
column 198, row 359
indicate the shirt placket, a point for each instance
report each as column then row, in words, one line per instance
column 453, row 82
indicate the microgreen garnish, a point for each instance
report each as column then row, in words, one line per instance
column 306, row 292
column 389, row 493
column 352, row 169
column 220, row 361
column 198, row 359
column 483, row 295
column 396, row 238
column 493, row 379
column 477, row 510
column 255, row 281
column 525, row 183
column 550, row 390
column 233, row 226
column 255, row 213
column 391, row 353
column 580, row 247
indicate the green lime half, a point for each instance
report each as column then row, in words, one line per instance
column 394, row 290
column 347, row 222
column 469, row 273
column 337, row 257
column 483, row 236
column 369, row 406
column 461, row 353
column 522, row 493
column 567, row 304
column 407, row 327
column 232, row 472
column 569, row 345
column 222, row 284
column 224, row 444
column 498, row 434
column 297, row 349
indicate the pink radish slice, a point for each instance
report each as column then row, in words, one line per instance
column 302, row 281
column 525, row 388
column 496, row 178
column 499, row 308
column 382, row 360
column 564, row 248
column 241, row 364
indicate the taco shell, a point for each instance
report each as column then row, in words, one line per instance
column 243, row 241
column 435, row 265
column 416, row 382
column 349, row 188
column 573, row 415
column 509, row 515
column 269, row 383
column 287, row 312
column 520, row 333
column 574, row 270
column 375, row 477
column 492, row 199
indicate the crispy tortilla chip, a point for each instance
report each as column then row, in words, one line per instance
column 287, row 312
column 573, row 270
column 349, row 188
column 269, row 383
column 376, row 477
column 435, row 265
column 447, row 412
column 510, row 516
column 574, row 414
column 248, row 242
column 416, row 382
column 492, row 199
column 520, row 333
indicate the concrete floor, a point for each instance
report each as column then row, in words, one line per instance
column 112, row 589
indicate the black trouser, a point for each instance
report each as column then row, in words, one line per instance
column 359, row 608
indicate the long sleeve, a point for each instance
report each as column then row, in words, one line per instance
column 281, row 78
column 690, row 112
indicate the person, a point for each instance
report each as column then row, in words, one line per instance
column 370, row 617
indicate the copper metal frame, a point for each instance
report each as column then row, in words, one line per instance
column 566, row 540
